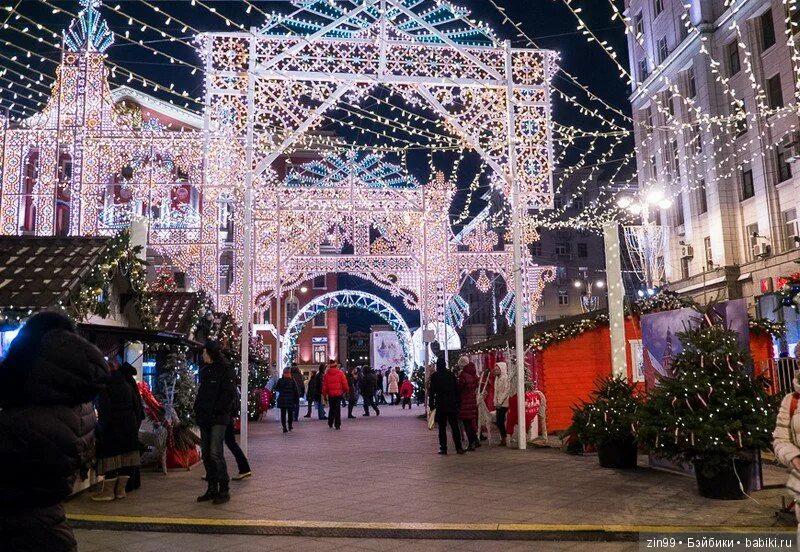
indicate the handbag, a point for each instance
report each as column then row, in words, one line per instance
column 431, row 418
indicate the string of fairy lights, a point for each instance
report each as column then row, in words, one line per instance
column 164, row 33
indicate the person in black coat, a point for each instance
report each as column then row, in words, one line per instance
column 48, row 380
column 212, row 411
column 297, row 376
column 119, row 415
column 312, row 381
column 369, row 385
column 443, row 397
column 288, row 395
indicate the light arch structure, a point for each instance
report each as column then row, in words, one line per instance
column 350, row 299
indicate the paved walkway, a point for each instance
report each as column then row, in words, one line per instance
column 380, row 473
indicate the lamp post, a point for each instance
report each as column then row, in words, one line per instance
column 589, row 301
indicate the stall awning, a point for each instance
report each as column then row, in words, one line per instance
column 105, row 336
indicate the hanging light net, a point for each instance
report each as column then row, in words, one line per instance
column 645, row 245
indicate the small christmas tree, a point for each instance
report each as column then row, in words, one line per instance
column 418, row 379
column 712, row 409
column 165, row 280
column 610, row 414
column 177, row 390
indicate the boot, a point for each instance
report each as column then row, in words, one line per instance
column 106, row 491
column 119, row 489
column 211, row 492
column 223, row 495
column 471, row 447
column 503, row 442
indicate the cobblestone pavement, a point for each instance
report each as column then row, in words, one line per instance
column 385, row 470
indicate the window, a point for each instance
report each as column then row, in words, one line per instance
column 638, row 25
column 794, row 18
column 671, row 105
column 658, row 7
column 648, row 120
column 561, row 274
column 784, row 169
column 748, row 189
column 583, row 250
column 643, row 70
column 767, row 30
column 774, row 92
column 685, row 268
column 563, row 297
column 319, row 282
column 791, row 229
column 536, row 249
column 577, row 203
column 679, row 216
column 709, row 253
column 321, row 320
column 676, row 160
column 266, row 317
column 653, row 167
column 691, row 83
column 292, row 306
column 751, row 235
column 661, row 49
column 740, row 124
column 734, row 65
column 320, row 353
column 558, row 202
column 541, row 318
column 562, row 249
column 683, row 29
column 702, row 198
column 698, row 141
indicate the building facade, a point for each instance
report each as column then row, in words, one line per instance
column 714, row 109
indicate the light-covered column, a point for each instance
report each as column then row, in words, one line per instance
column 616, row 300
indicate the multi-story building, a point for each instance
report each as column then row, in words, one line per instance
column 716, row 130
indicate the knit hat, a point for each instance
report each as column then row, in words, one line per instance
column 463, row 361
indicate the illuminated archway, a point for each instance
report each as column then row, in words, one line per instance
column 347, row 299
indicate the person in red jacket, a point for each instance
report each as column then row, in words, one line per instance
column 334, row 386
column 406, row 391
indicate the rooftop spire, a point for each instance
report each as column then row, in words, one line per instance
column 89, row 32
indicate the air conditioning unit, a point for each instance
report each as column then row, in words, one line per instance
column 791, row 144
column 761, row 250
column 793, row 237
column 687, row 252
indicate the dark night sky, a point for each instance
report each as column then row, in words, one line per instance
column 548, row 22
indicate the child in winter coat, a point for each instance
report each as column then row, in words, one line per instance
column 406, row 391
column 288, row 395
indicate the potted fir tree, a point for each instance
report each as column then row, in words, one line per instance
column 712, row 413
column 607, row 421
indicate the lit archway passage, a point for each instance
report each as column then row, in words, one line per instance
column 347, row 299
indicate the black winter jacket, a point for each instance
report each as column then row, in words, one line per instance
column 119, row 415
column 216, row 395
column 443, row 391
column 47, row 422
column 369, row 383
column 288, row 393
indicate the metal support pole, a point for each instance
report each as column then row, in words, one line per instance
column 247, row 305
column 616, row 299
column 519, row 314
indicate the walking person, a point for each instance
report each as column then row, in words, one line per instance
column 297, row 376
column 334, row 387
column 394, row 385
column 212, row 410
column 468, row 410
column 381, row 399
column 406, row 392
column 48, row 380
column 288, row 395
column 318, row 392
column 443, row 397
column 230, row 441
column 369, row 384
column 352, row 397
column 119, row 415
column 502, row 390
column 312, row 382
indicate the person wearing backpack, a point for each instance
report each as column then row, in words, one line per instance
column 786, row 442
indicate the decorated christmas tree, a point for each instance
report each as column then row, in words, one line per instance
column 712, row 409
column 177, row 389
column 165, row 280
column 610, row 415
column 418, row 379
